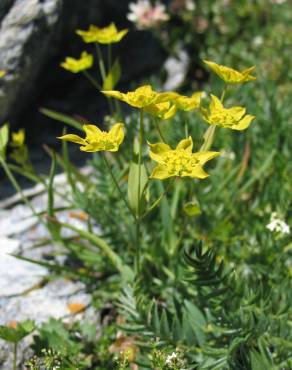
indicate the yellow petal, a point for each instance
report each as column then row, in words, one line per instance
column 199, row 173
column 166, row 96
column 215, row 103
column 117, row 133
column 244, row 123
column 73, row 138
column 114, row 94
column 91, row 131
column 186, row 144
column 160, row 172
column 204, row 157
column 157, row 150
column 237, row 112
column 144, row 90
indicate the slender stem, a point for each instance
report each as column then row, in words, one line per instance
column 92, row 80
column 16, row 186
column 100, row 62
column 223, row 93
column 158, row 200
column 117, row 185
column 109, row 50
column 14, row 355
column 158, row 129
column 138, row 219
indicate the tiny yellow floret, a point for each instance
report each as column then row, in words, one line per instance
column 97, row 140
column 233, row 118
column 18, row 138
column 230, row 75
column 76, row 65
column 180, row 161
column 106, row 35
column 2, row 73
column 144, row 97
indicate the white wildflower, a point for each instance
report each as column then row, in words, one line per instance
column 170, row 358
column 278, row 225
column 145, row 15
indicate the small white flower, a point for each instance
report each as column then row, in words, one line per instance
column 170, row 358
column 145, row 15
column 258, row 41
column 277, row 225
column 190, row 5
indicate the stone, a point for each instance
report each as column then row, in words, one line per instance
column 25, row 33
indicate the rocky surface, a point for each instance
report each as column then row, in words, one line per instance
column 23, row 293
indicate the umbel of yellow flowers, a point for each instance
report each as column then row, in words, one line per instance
column 179, row 161
column 2, row 73
column 76, row 65
column 160, row 104
column 97, row 140
column 106, row 35
column 230, row 75
column 233, row 118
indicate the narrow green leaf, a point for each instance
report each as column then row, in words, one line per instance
column 4, row 138
column 61, row 117
column 133, row 186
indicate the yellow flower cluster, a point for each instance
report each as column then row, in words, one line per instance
column 76, row 65
column 160, row 104
column 179, row 161
column 230, row 75
column 97, row 140
column 106, row 35
column 233, row 118
column 2, row 73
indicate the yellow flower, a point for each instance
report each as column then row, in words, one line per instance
column 106, row 35
column 163, row 111
column 233, row 118
column 2, row 73
column 185, row 103
column 143, row 97
column 77, row 65
column 18, row 138
column 179, row 161
column 230, row 75
column 97, row 140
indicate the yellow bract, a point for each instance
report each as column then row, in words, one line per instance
column 77, row 65
column 179, row 161
column 233, row 118
column 97, row 140
column 18, row 138
column 144, row 97
column 230, row 75
column 2, row 73
column 185, row 103
column 106, row 35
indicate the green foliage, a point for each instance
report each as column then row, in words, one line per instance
column 16, row 334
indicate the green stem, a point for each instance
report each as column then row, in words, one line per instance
column 14, row 356
column 100, row 62
column 92, row 80
column 208, row 138
column 109, row 57
column 158, row 129
column 223, row 93
column 138, row 219
column 18, row 188
column 158, row 200
column 102, row 72
column 117, row 185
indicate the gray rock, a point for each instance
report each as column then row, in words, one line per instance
column 25, row 34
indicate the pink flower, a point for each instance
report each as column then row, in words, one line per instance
column 145, row 15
